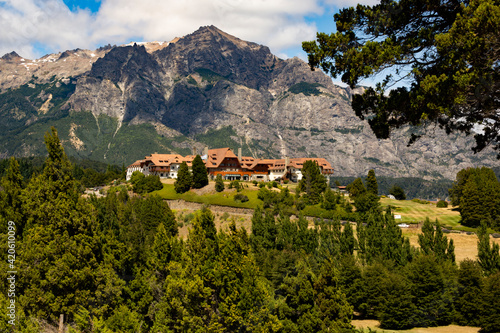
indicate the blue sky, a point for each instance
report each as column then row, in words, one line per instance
column 34, row 28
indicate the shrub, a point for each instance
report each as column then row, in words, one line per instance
column 188, row 218
column 240, row 197
column 420, row 201
column 397, row 192
column 262, row 184
column 274, row 184
column 442, row 204
column 236, row 184
column 147, row 184
column 219, row 184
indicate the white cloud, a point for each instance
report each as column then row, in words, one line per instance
column 279, row 24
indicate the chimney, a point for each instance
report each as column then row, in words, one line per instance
column 287, row 161
column 205, row 151
column 239, row 154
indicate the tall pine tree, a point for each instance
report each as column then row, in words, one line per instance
column 200, row 174
column 371, row 182
column 184, row 179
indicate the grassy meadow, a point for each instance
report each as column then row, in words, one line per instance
column 414, row 212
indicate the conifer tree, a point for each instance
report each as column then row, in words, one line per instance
column 200, row 174
column 313, row 183
column 11, row 199
column 356, row 188
column 471, row 209
column 433, row 241
column 397, row 192
column 329, row 199
column 60, row 257
column 488, row 254
column 219, row 183
column 184, row 179
column 371, row 182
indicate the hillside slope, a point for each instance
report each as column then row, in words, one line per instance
column 118, row 104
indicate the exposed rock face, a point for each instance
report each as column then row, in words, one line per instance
column 212, row 88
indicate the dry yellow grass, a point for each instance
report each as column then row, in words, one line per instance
column 465, row 245
column 373, row 324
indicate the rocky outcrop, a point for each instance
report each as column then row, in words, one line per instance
column 213, row 88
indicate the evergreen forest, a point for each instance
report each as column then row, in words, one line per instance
column 116, row 263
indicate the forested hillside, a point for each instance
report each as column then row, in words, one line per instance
column 116, row 264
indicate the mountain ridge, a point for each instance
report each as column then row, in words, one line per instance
column 117, row 104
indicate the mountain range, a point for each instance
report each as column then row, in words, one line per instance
column 117, row 104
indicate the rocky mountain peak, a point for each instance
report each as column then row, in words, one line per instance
column 125, row 63
column 11, row 56
column 242, row 62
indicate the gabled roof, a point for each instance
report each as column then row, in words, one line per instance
column 298, row 163
column 136, row 164
column 216, row 156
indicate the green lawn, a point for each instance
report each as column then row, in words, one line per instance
column 414, row 212
column 225, row 198
column 410, row 211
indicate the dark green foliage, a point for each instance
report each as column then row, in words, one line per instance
column 371, row 182
column 184, row 179
column 147, row 184
column 413, row 187
column 153, row 211
column 11, row 198
column 219, row 183
column 236, row 185
column 313, row 183
column 305, row 88
column 470, row 287
column 240, row 197
column 330, row 199
column 312, row 303
column 381, row 239
column 61, row 255
column 116, row 263
column 477, row 193
column 366, row 202
column 200, row 174
column 420, row 296
column 433, row 241
column 438, row 48
column 488, row 253
column 356, row 188
column 397, row 192
column 489, row 319
column 442, row 204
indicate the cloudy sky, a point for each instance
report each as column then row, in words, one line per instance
column 34, row 28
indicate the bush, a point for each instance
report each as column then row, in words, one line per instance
column 397, row 192
column 300, row 204
column 442, row 204
column 188, row 218
column 236, row 185
column 147, row 184
column 420, row 201
column 219, row 184
column 240, row 197
column 255, row 182
column 274, row 184
column 262, row 184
